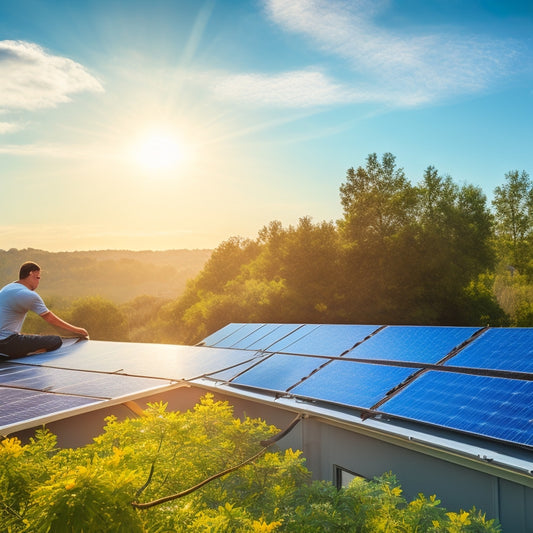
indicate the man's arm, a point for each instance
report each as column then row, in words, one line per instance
column 53, row 319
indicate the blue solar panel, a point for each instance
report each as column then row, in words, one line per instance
column 353, row 384
column 331, row 340
column 24, row 405
column 494, row 407
column 419, row 344
column 76, row 382
column 230, row 373
column 328, row 339
column 499, row 349
column 278, row 372
column 263, row 338
column 238, row 335
column 221, row 334
column 148, row 360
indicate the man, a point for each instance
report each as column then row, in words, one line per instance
column 16, row 299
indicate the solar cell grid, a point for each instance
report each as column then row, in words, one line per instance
column 287, row 340
column 498, row 408
column 328, row 339
column 77, row 382
column 277, row 334
column 278, row 372
column 418, row 344
column 499, row 349
column 221, row 334
column 238, row 335
column 352, row 384
column 24, row 405
column 257, row 337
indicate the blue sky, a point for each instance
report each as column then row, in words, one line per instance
column 178, row 124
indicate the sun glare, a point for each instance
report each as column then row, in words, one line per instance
column 159, row 151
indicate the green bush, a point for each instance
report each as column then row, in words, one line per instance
column 130, row 477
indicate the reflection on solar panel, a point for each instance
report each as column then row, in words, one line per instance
column 262, row 339
column 149, row 360
column 420, row 344
column 278, row 372
column 329, row 339
column 221, row 334
column 352, row 384
column 499, row 348
column 494, row 407
column 237, row 335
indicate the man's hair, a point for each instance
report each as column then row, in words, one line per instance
column 27, row 268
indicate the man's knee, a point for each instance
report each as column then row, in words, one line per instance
column 54, row 342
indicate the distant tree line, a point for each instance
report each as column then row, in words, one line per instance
column 431, row 253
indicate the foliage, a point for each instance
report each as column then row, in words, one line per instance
column 101, row 317
column 91, row 489
column 513, row 203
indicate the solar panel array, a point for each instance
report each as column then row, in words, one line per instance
column 472, row 380
column 88, row 374
column 477, row 381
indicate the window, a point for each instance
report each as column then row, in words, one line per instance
column 343, row 476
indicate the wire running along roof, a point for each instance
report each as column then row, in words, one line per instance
column 477, row 381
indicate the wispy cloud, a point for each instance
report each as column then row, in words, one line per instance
column 380, row 64
column 31, row 78
column 8, row 127
column 405, row 69
column 302, row 88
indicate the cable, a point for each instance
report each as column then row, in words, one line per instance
column 265, row 443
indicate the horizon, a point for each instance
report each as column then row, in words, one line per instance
column 178, row 125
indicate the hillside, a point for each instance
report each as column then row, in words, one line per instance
column 117, row 275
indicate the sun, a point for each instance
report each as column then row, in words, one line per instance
column 158, row 150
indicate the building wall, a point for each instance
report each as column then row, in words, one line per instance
column 326, row 446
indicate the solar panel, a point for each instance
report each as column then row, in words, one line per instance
column 77, row 382
column 221, row 334
column 238, row 335
column 148, row 360
column 25, row 405
column 418, row 344
column 499, row 349
column 263, row 338
column 498, row 408
column 352, row 384
column 229, row 373
column 327, row 339
column 278, row 372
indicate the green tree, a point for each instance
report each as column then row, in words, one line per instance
column 513, row 204
column 379, row 206
column 412, row 251
column 101, row 318
column 452, row 248
column 305, row 261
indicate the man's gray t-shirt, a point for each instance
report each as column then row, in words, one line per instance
column 15, row 301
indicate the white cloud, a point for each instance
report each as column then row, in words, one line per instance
column 381, row 65
column 399, row 69
column 8, row 127
column 31, row 78
column 297, row 89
